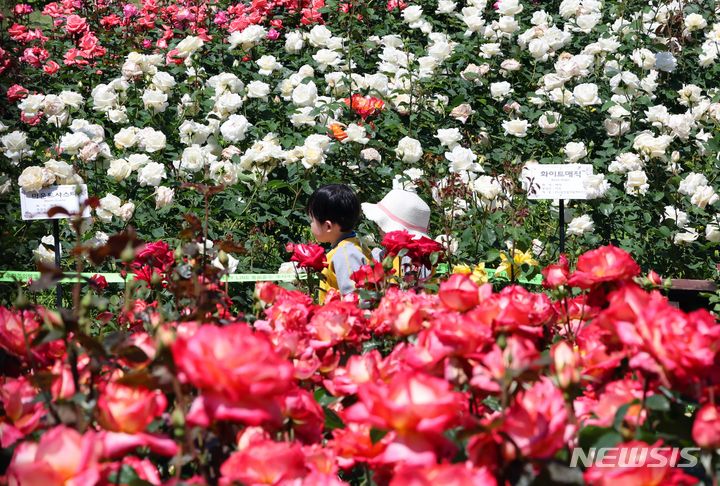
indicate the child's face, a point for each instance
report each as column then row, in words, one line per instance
column 324, row 232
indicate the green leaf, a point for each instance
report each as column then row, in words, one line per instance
column 332, row 420
column 658, row 402
column 376, row 435
column 620, row 415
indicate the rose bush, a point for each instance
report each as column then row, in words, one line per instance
column 416, row 380
column 273, row 99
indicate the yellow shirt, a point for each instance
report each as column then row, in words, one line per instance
column 343, row 259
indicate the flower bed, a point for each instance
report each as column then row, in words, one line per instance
column 275, row 98
column 409, row 381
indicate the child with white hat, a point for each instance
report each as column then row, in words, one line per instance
column 399, row 210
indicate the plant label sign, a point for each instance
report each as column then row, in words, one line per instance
column 36, row 204
column 556, row 181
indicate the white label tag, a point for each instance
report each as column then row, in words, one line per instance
column 556, row 181
column 36, row 204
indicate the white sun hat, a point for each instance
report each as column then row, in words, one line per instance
column 400, row 210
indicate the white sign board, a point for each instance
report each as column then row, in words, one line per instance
column 36, row 204
column 556, row 181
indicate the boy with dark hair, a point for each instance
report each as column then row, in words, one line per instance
column 334, row 212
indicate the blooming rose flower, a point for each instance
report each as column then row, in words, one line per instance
column 537, row 421
column 151, row 174
column 307, row 255
column 128, row 409
column 409, row 150
column 517, row 127
column 556, row 274
column 604, row 264
column 706, row 430
column 459, row 293
column 238, row 371
column 250, row 465
column 586, row 94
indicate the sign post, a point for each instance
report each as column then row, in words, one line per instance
column 557, row 181
column 36, row 204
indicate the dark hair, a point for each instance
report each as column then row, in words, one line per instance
column 336, row 203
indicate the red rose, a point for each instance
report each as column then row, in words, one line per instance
column 395, row 241
column 99, row 282
column 706, row 428
column 51, row 67
column 604, row 264
column 459, row 293
column 421, row 249
column 75, row 24
column 308, row 255
column 556, row 274
column 17, row 32
column 368, row 275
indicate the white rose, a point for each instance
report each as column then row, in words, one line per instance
column 449, row 137
column 45, row 254
column 625, row 162
column 248, row 38
column 695, row 22
column 224, row 172
column 163, row 81
column 305, row 94
column 294, row 42
column 581, row 225
column 500, row 90
column 267, row 65
column 650, row 146
column 72, row 99
column 703, row 196
column 517, row 128
column 163, row 196
column 510, row 65
column 412, row 14
column 60, row 169
column 461, row 159
column 644, row 58
column 691, row 183
column 489, row 188
column 151, row 174
column 355, row 133
column 104, row 98
column 258, row 89
column 126, row 211
column 193, row 159
column 596, row 186
column 490, row 50
column 110, row 203
column 235, row 128
column 118, row 115
column 409, row 150
column 686, row 237
column 509, row 7
column 538, row 49
column 32, row 104
column 151, row 140
column 712, row 233
column 137, row 161
column 462, row 112
column 574, row 151
column 319, row 36
column 155, row 100
column 119, row 169
column 586, row 94
column 126, row 138
column 230, row 266
column 445, row 7
column 326, row 58
column 549, row 122
column 228, row 103
column 53, row 105
column 636, row 182
column 665, row 61
column 188, row 46
column 71, row 143
column 680, row 218
column 35, row 178
column 370, row 154
column 615, row 127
